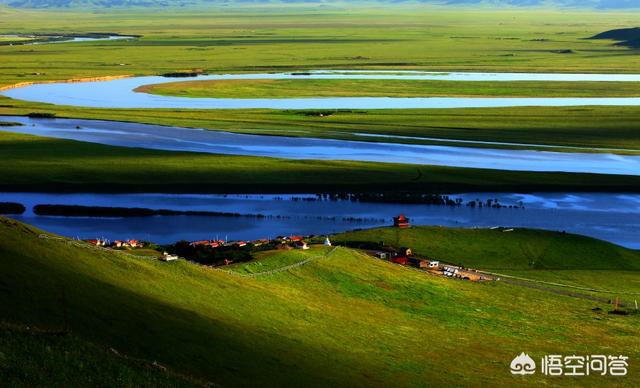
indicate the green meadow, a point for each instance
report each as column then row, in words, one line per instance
column 74, row 315
column 32, row 357
column 296, row 38
column 343, row 319
column 388, row 88
column 271, row 38
column 65, row 165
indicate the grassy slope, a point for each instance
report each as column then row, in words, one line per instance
column 37, row 359
column 32, row 163
column 554, row 257
column 268, row 40
column 344, row 320
column 388, row 88
column 489, row 249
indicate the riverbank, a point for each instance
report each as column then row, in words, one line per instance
column 65, row 81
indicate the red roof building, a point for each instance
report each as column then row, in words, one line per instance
column 401, row 221
column 400, row 260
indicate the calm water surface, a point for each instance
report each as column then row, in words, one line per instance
column 119, row 93
column 611, row 217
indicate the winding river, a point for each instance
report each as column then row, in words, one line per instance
column 119, row 93
column 219, row 142
column 612, row 217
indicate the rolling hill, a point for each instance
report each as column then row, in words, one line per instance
column 342, row 319
column 628, row 37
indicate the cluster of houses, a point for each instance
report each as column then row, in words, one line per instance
column 296, row 242
column 116, row 244
column 462, row 273
column 404, row 256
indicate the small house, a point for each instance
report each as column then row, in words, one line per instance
column 400, row 260
column 134, row 243
column 381, row 255
column 401, row 221
column 404, row 251
column 262, row 241
column 419, row 263
column 167, row 257
column 301, row 245
column 327, row 242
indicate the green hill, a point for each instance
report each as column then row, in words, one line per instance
column 31, row 358
column 342, row 319
column 488, row 249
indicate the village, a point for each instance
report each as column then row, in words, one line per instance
column 218, row 252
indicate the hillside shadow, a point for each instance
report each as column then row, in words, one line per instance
column 230, row 353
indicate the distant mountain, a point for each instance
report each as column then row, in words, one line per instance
column 594, row 4
column 628, row 37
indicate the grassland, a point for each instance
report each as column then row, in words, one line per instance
column 34, row 358
column 487, row 249
column 295, row 38
column 308, row 37
column 264, row 88
column 342, row 320
column 250, row 39
column 562, row 261
column 31, row 163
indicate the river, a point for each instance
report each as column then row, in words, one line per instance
column 119, row 93
column 220, row 142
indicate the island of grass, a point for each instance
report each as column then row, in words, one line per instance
column 342, row 319
column 564, row 129
column 312, row 88
column 65, row 165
